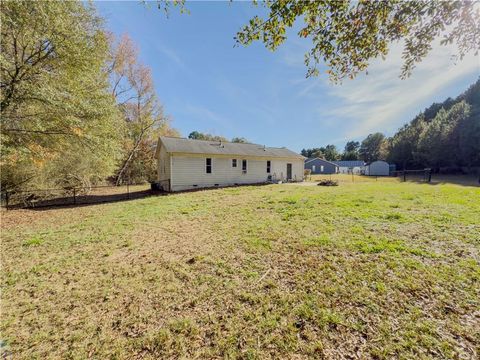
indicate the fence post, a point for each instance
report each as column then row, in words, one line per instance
column 404, row 176
column 6, row 200
column 74, row 197
column 429, row 174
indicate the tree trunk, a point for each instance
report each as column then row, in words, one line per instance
column 127, row 161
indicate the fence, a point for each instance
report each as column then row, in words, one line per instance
column 36, row 198
column 348, row 178
column 415, row 175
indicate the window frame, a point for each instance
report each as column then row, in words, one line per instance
column 269, row 166
column 234, row 163
column 208, row 166
column 244, row 166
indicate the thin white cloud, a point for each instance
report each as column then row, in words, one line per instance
column 171, row 55
column 380, row 100
column 208, row 115
column 235, row 93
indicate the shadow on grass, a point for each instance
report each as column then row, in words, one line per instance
column 85, row 200
column 97, row 199
column 463, row 180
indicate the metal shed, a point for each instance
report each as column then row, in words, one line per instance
column 378, row 168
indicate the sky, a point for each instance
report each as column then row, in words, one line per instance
column 208, row 84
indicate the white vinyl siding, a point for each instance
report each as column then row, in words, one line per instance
column 349, row 170
column 188, row 172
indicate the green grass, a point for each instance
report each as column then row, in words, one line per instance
column 375, row 269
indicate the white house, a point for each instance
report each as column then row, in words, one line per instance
column 377, row 168
column 184, row 164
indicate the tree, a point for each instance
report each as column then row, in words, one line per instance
column 331, row 153
column 373, row 147
column 123, row 59
column 468, row 128
column 201, row 136
column 58, row 119
column 313, row 153
column 445, row 134
column 347, row 35
column 195, row 135
column 240, row 140
column 352, row 146
column 404, row 144
column 351, row 151
column 133, row 89
column 438, row 144
column 317, row 153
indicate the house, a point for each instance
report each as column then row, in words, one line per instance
column 320, row 166
column 350, row 166
column 184, row 164
column 377, row 168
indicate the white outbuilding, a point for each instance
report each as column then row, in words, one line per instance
column 377, row 168
column 349, row 166
column 184, row 164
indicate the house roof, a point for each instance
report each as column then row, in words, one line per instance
column 317, row 158
column 349, row 163
column 190, row 146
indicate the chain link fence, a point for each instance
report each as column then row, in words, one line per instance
column 35, row 198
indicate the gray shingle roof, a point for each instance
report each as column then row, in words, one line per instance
column 190, row 146
column 349, row 163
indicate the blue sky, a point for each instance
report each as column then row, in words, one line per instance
column 207, row 84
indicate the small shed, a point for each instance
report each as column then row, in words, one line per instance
column 377, row 168
column 320, row 166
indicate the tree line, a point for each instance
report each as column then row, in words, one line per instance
column 444, row 136
column 373, row 147
column 77, row 106
column 196, row 135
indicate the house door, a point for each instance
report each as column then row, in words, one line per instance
column 289, row 172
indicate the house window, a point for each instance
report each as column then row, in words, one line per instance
column 313, row 168
column 321, row 168
column 268, row 166
column 244, row 166
column 208, row 165
column 234, row 162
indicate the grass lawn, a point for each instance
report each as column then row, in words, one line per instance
column 375, row 269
